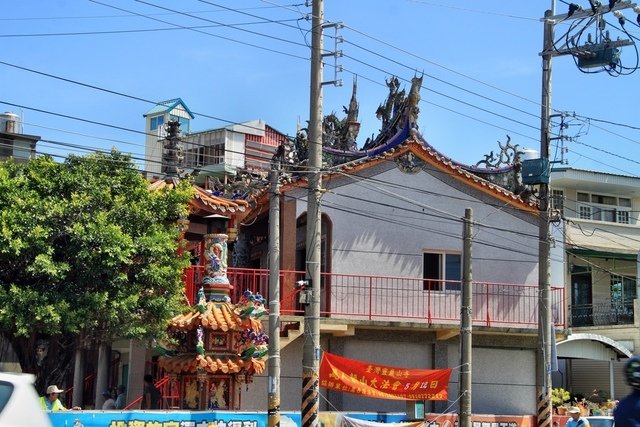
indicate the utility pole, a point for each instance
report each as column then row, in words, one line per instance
column 592, row 55
column 543, row 359
column 311, row 346
column 465, row 323
column 274, row 296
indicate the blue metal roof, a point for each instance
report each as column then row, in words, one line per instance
column 168, row 105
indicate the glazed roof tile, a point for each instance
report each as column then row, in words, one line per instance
column 203, row 199
column 216, row 316
column 211, row 364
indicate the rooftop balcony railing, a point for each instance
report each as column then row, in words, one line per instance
column 401, row 299
column 602, row 314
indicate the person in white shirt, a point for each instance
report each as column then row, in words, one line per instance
column 110, row 403
column 576, row 420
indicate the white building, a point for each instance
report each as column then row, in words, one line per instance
column 219, row 152
column 601, row 236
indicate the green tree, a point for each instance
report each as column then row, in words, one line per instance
column 87, row 255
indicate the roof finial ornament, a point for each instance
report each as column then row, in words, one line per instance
column 173, row 151
column 509, row 154
column 413, row 99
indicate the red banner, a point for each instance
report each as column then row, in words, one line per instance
column 382, row 382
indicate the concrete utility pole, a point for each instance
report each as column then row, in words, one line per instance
column 274, row 297
column 311, row 346
column 466, row 315
column 545, row 324
column 543, row 360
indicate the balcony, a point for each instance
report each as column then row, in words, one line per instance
column 602, row 314
column 398, row 299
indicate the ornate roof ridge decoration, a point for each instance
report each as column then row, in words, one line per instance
column 504, row 169
column 173, row 151
column 242, row 188
column 399, row 116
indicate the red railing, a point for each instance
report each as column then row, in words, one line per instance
column 89, row 386
column 88, row 389
column 389, row 298
column 160, row 384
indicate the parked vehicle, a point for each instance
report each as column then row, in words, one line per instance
column 600, row 421
column 19, row 406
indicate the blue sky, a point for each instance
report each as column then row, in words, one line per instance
column 233, row 61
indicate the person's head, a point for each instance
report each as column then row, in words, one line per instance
column 121, row 388
column 574, row 412
column 595, row 391
column 53, row 392
column 148, row 378
column 632, row 372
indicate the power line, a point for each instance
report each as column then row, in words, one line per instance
column 128, row 15
column 253, row 15
column 146, row 30
column 423, row 101
column 204, row 32
column 280, row 39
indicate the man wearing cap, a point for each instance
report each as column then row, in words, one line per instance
column 576, row 420
column 51, row 401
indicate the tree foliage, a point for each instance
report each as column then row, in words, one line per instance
column 87, row 253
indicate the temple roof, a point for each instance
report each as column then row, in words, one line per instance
column 216, row 316
column 407, row 141
column 204, row 200
column 399, row 135
column 212, row 364
column 414, row 144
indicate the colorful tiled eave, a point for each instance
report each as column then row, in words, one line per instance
column 212, row 364
column 203, row 200
column 216, row 316
column 219, row 203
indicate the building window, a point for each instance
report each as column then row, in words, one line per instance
column 623, row 217
column 205, row 155
column 441, row 271
column 600, row 207
column 184, row 123
column 156, row 122
column 584, row 212
column 623, row 292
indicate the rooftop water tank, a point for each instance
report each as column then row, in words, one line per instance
column 530, row 154
column 10, row 123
